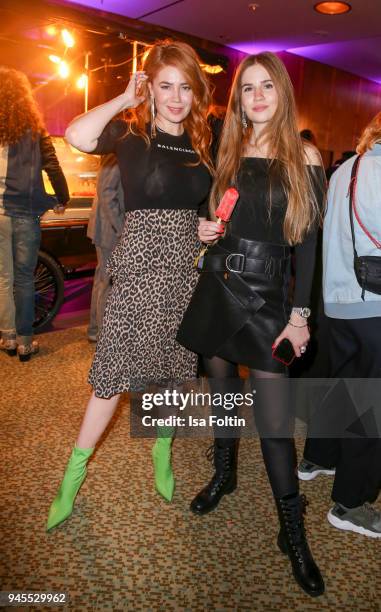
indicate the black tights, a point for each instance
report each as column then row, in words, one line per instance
column 273, row 419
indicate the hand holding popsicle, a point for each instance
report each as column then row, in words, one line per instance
column 227, row 204
column 210, row 231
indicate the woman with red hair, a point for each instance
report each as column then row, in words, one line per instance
column 163, row 155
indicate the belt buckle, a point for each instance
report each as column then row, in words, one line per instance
column 228, row 259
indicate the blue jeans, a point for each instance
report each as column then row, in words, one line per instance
column 21, row 238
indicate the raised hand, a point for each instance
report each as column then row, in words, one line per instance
column 132, row 95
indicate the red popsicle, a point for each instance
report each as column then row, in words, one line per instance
column 226, row 206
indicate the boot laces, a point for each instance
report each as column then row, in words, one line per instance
column 222, row 454
column 209, row 454
column 219, row 477
column 294, row 522
column 217, row 482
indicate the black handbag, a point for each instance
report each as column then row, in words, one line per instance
column 367, row 267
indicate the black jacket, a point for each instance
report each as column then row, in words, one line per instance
column 23, row 192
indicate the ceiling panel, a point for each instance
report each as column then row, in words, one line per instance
column 351, row 41
column 135, row 9
column 360, row 57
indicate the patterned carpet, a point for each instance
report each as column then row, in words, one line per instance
column 126, row 549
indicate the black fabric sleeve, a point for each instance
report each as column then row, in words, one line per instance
column 51, row 165
column 108, row 140
column 305, row 253
column 216, row 126
column 203, row 210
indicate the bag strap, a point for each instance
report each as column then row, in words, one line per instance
column 352, row 186
column 352, row 205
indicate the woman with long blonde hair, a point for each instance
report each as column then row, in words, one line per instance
column 239, row 312
column 163, row 156
column 25, row 150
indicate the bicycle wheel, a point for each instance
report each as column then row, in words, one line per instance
column 49, row 290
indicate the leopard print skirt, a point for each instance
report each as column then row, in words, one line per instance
column 153, row 279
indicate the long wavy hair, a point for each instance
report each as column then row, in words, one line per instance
column 184, row 58
column 19, row 112
column 283, row 144
column 370, row 135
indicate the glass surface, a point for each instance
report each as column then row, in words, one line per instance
column 80, row 170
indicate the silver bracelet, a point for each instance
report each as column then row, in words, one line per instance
column 293, row 324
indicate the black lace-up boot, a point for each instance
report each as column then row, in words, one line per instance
column 292, row 542
column 224, row 480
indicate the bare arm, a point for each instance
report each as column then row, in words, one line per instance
column 312, row 155
column 84, row 131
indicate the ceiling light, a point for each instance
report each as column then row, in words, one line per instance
column 332, row 8
column 51, row 30
column 253, row 6
column 55, row 59
column 212, row 69
column 82, row 82
column 63, row 70
column 67, row 38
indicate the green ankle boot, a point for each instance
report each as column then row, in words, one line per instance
column 75, row 474
column 161, row 456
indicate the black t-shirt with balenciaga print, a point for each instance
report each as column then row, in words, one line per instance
column 161, row 175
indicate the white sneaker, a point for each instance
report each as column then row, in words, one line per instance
column 309, row 471
column 364, row 519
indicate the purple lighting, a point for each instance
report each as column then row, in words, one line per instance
column 252, row 48
column 132, row 8
column 356, row 56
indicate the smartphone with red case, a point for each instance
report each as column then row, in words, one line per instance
column 284, row 352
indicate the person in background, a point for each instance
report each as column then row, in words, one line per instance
column 105, row 228
column 25, row 150
column 344, row 157
column 309, row 136
column 354, row 341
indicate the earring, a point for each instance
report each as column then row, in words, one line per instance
column 153, row 113
column 243, row 118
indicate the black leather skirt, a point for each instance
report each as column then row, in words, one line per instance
column 240, row 304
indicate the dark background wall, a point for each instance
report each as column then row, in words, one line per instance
column 334, row 104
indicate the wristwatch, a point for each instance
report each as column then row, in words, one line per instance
column 304, row 311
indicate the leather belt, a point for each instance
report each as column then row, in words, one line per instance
column 239, row 263
column 253, row 249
